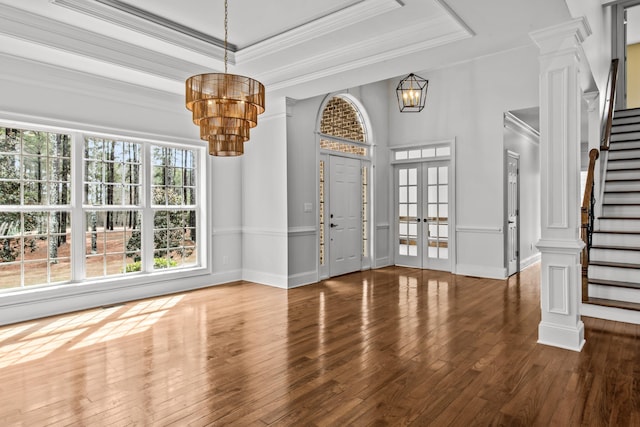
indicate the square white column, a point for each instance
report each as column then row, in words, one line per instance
column 560, row 244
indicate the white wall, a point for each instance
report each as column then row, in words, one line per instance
column 467, row 102
column 529, row 151
column 264, row 198
column 597, row 46
column 34, row 93
column 302, row 164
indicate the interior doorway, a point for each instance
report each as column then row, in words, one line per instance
column 512, row 214
column 626, row 47
column 632, row 33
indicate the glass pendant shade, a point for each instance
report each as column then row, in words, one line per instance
column 224, row 126
column 225, row 106
column 226, row 146
column 412, row 93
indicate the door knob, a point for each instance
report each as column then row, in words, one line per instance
column 417, row 219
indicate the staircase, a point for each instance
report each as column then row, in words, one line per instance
column 614, row 261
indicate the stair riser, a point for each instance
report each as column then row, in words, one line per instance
column 614, row 255
column 624, row 198
column 630, row 275
column 622, row 186
column 634, row 127
column 614, row 293
column 623, row 240
column 621, row 210
column 623, row 145
column 631, row 136
column 619, row 120
column 618, row 225
column 623, row 164
column 628, row 174
column 626, row 113
column 624, row 154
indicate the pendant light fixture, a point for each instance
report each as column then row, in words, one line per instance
column 412, row 93
column 224, row 106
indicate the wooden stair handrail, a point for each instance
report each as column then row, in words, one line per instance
column 587, row 221
column 610, row 104
column 588, row 189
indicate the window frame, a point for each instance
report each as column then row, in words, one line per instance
column 79, row 284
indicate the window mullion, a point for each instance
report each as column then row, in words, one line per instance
column 78, row 259
column 147, row 211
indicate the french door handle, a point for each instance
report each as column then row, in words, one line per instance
column 332, row 225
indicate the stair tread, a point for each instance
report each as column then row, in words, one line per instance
column 623, row 180
column 617, row 283
column 614, row 264
column 617, row 232
column 634, row 218
column 621, row 248
column 622, row 191
column 611, row 148
column 621, row 204
column 627, row 159
column 615, row 304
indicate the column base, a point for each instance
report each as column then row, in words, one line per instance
column 561, row 336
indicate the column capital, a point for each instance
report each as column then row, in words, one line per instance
column 592, row 99
column 567, row 35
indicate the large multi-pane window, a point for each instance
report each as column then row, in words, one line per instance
column 132, row 205
column 174, row 207
column 35, row 219
column 113, row 207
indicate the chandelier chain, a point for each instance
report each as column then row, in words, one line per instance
column 226, row 31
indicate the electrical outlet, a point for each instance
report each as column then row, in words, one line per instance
column 225, row 260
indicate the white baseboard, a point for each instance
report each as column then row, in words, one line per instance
column 94, row 297
column 610, row 313
column 302, row 279
column 530, row 261
column 481, row 271
column 263, row 278
column 561, row 336
column 383, row 262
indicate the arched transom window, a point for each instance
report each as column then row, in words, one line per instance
column 341, row 128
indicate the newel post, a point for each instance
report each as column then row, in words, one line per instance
column 560, row 244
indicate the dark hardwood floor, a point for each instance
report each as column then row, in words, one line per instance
column 394, row 346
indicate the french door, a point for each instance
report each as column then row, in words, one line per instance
column 422, row 215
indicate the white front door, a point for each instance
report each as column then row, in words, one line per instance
column 345, row 216
column 512, row 203
column 422, row 215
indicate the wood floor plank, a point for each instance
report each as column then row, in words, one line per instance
column 394, row 346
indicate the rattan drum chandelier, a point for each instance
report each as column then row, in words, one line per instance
column 224, row 106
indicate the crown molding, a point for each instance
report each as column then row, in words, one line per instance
column 135, row 19
column 151, row 25
column 338, row 20
column 44, row 31
column 516, row 124
column 430, row 32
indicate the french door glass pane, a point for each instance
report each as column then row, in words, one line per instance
column 438, row 211
column 407, row 211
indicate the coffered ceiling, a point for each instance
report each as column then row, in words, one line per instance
column 296, row 47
